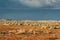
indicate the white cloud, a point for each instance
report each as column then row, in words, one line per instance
column 41, row 3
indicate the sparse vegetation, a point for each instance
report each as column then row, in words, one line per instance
column 26, row 30
column 44, row 24
column 3, row 33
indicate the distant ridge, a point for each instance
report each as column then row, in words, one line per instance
column 30, row 20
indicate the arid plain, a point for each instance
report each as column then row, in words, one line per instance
column 29, row 29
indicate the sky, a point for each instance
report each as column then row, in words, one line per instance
column 30, row 9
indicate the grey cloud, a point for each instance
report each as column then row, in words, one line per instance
column 41, row 3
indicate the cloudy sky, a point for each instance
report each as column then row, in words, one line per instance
column 30, row 9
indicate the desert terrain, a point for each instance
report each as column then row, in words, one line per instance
column 29, row 29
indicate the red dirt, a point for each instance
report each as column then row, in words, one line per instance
column 54, row 36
